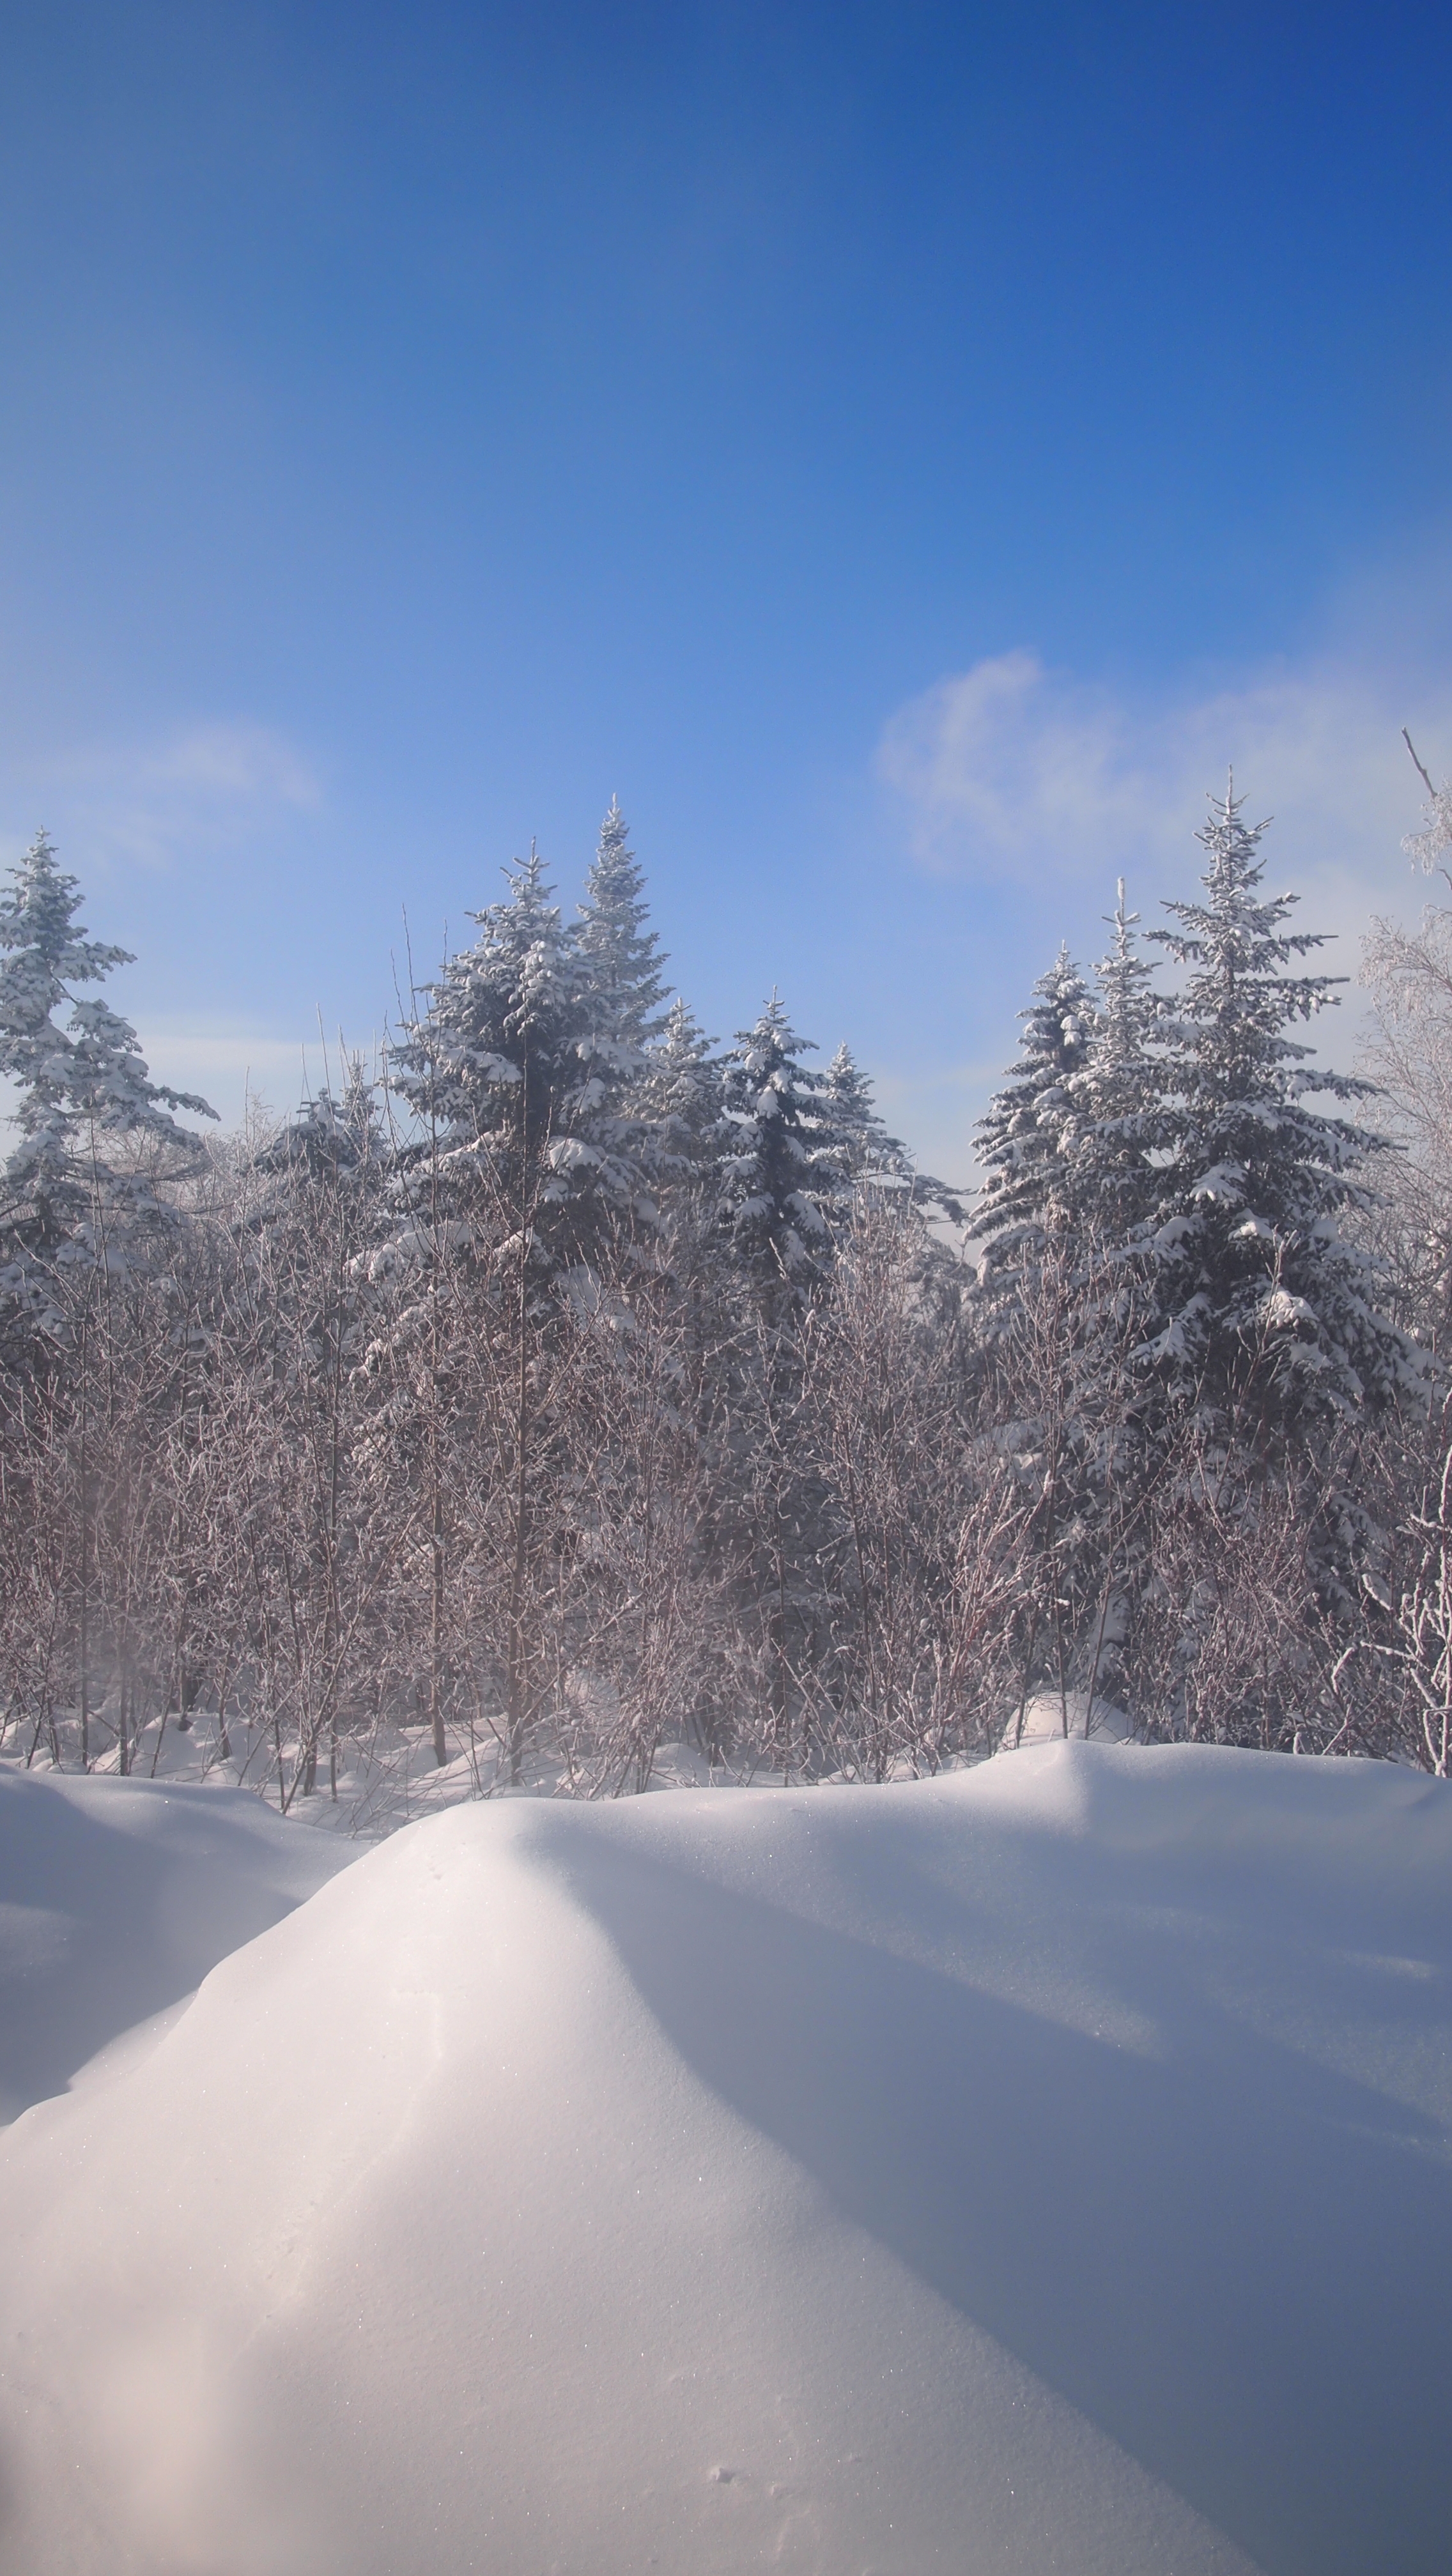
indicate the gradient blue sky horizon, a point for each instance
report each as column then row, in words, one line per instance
column 905, row 452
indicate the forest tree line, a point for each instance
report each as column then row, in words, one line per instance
column 564, row 1386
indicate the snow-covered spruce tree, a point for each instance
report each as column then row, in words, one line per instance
column 879, row 1163
column 621, row 955
column 493, row 1073
column 1057, row 1304
column 527, row 1181
column 681, row 1096
column 1062, row 1353
column 318, row 1550
column 786, row 1168
column 498, row 1201
column 331, row 1134
column 1028, row 1129
column 1112, row 1183
column 621, row 989
column 1265, row 1361
column 1262, row 1306
column 783, row 1183
column 872, row 1154
column 82, row 1188
column 86, row 1215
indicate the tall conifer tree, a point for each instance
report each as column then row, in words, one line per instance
column 785, row 1170
column 621, row 955
column 1254, row 1282
column 496, row 1070
column 619, row 964
column 871, row 1153
column 1029, row 1124
column 84, row 1090
column 681, row 1095
column 1116, row 1091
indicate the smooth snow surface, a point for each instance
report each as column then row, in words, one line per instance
column 1045, row 2169
column 116, row 1898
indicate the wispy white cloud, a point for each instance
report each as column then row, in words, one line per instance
column 1045, row 787
column 193, row 794
column 227, row 1063
column 234, row 761
column 1011, row 772
column 230, row 1062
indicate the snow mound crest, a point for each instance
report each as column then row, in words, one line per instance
column 1041, row 2168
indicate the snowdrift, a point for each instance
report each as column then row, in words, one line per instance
column 116, row 1898
column 1045, row 2169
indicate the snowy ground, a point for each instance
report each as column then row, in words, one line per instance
column 381, row 1780
column 1042, row 2169
column 388, row 1778
column 116, row 1898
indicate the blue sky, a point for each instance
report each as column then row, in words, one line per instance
column 904, row 451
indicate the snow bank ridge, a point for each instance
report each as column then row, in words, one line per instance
column 1043, row 2167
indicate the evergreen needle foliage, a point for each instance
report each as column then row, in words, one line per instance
column 561, row 1388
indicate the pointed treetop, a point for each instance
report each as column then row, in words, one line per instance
column 39, row 928
column 681, row 1094
column 871, row 1152
column 97, row 1072
column 1253, row 1280
column 1027, row 1127
column 849, row 1087
column 785, row 1166
column 1126, row 1004
column 527, row 912
column 78, row 1086
column 1239, row 996
column 622, row 956
column 510, row 999
column 1053, row 1045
